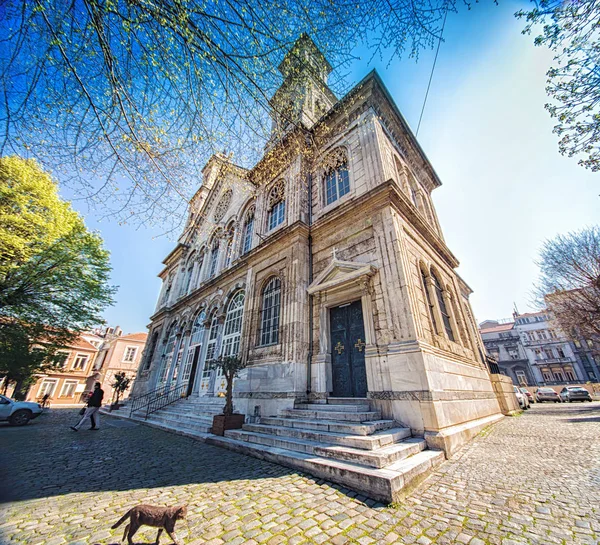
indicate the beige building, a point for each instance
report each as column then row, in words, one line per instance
column 66, row 386
column 325, row 267
column 117, row 353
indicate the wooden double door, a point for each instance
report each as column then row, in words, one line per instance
column 348, row 350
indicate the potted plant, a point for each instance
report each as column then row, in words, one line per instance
column 120, row 384
column 229, row 366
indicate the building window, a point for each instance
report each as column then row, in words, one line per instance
column 248, row 232
column 130, row 353
column 48, row 387
column 187, row 280
column 570, row 376
column 276, row 205
column 558, row 376
column 62, row 358
column 233, row 325
column 167, row 355
column 80, row 361
column 560, row 352
column 521, row 377
column 336, row 180
column 442, row 304
column 271, row 304
column 198, row 329
column 68, row 388
column 214, row 259
column 547, row 377
column 429, row 301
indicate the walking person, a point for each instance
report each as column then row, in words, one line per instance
column 93, row 406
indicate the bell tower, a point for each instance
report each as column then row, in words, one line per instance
column 303, row 97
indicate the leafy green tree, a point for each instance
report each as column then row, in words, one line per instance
column 55, row 285
column 230, row 366
column 21, row 357
column 120, row 385
column 571, row 30
column 31, row 213
column 134, row 96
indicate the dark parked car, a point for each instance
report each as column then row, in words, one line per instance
column 546, row 394
column 575, row 393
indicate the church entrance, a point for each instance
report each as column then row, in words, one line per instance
column 348, row 350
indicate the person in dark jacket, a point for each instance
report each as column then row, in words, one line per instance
column 93, row 406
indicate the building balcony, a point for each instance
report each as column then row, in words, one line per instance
column 549, row 361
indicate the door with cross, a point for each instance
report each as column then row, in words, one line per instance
column 348, row 350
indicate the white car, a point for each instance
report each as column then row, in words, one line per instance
column 521, row 398
column 18, row 413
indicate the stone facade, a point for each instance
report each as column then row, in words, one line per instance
column 338, row 212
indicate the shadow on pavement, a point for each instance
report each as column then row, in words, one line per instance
column 45, row 458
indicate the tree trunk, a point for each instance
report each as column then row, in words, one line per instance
column 228, row 410
column 19, row 392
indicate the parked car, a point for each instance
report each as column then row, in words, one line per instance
column 529, row 395
column 575, row 393
column 521, row 398
column 18, row 413
column 546, row 394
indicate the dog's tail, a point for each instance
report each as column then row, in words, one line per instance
column 121, row 520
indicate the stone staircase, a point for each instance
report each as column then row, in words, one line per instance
column 343, row 441
column 191, row 416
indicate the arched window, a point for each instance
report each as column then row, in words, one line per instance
column 336, row 182
column 198, row 329
column 429, row 301
column 248, row 232
column 196, row 337
column 167, row 355
column 276, row 210
column 214, row 258
column 229, row 246
column 187, row 279
column 442, row 304
column 233, row 325
column 271, row 306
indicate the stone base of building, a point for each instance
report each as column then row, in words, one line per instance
column 452, row 439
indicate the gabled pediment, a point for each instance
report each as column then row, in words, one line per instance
column 338, row 273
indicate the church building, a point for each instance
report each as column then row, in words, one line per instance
column 325, row 268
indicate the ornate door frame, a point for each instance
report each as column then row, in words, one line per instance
column 341, row 282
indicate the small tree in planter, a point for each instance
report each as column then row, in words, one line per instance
column 120, row 384
column 230, row 366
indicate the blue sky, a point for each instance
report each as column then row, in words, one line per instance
column 505, row 187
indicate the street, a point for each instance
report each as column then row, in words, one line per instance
column 532, row 479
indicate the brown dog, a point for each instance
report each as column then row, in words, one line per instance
column 151, row 515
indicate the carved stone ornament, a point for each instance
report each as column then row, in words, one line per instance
column 223, row 205
column 277, row 193
column 337, row 158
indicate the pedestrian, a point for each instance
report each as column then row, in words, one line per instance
column 91, row 412
column 45, row 399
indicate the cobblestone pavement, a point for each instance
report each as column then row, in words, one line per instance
column 530, row 479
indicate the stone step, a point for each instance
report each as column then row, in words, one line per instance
column 348, row 428
column 370, row 458
column 379, row 458
column 192, row 410
column 348, row 401
column 365, row 442
column 363, row 416
column 384, row 484
column 200, row 424
column 354, row 408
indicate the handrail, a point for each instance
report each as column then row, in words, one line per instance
column 141, row 401
column 165, row 398
column 157, row 399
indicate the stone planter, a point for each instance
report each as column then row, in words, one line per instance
column 222, row 423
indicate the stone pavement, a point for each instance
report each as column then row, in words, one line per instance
column 530, row 479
